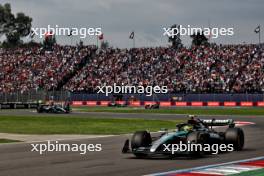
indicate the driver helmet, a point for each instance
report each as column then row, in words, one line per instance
column 188, row 128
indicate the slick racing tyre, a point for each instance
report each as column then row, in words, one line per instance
column 197, row 137
column 140, row 139
column 40, row 109
column 235, row 136
column 147, row 107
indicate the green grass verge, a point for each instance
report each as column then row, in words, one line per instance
column 259, row 172
column 187, row 110
column 8, row 141
column 79, row 125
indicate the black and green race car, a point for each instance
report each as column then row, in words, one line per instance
column 56, row 108
column 194, row 131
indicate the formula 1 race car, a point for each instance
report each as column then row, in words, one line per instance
column 152, row 106
column 115, row 104
column 57, row 109
column 195, row 131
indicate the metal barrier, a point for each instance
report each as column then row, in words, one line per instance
column 28, row 99
column 31, row 99
column 169, row 97
column 36, row 96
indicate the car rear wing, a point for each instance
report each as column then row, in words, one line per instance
column 218, row 122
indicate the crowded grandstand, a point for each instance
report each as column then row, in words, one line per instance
column 197, row 69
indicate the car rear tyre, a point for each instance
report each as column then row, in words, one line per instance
column 147, row 107
column 197, row 137
column 235, row 136
column 39, row 109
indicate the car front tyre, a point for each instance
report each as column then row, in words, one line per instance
column 140, row 139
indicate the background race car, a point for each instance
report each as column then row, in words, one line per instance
column 54, row 108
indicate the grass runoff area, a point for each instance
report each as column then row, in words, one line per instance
column 8, row 141
column 259, row 172
column 185, row 110
column 53, row 124
column 78, row 125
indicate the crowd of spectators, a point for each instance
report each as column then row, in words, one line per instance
column 199, row 69
column 26, row 68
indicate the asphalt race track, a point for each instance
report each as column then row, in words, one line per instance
column 17, row 159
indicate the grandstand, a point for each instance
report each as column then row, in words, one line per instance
column 25, row 69
column 214, row 69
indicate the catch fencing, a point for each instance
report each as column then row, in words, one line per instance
column 33, row 98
